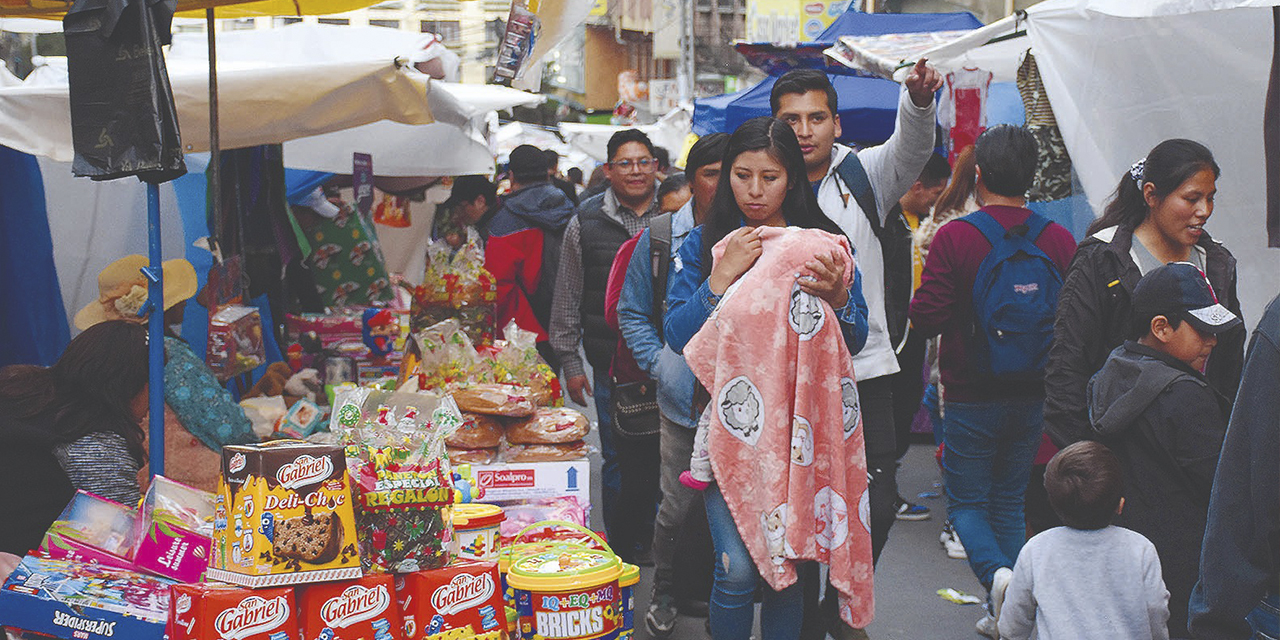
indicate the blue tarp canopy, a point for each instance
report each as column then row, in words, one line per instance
column 776, row 59
column 867, row 105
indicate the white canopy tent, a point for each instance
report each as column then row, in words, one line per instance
column 1123, row 75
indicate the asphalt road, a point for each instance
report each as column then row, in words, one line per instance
column 912, row 568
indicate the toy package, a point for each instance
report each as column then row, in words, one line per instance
column 461, row 601
column 235, row 341
column 404, row 486
column 283, row 515
column 218, row 612
column 84, row 601
column 301, row 420
column 173, row 529
column 92, row 529
column 360, row 609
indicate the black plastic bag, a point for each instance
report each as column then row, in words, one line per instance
column 123, row 120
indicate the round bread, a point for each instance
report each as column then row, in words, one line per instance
column 476, row 432
column 549, row 426
column 508, row 400
column 471, row 456
column 547, row 452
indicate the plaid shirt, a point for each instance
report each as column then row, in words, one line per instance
column 566, row 305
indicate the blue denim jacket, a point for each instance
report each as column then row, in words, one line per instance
column 638, row 322
column 690, row 300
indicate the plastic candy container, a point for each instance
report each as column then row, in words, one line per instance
column 475, row 529
column 568, row 593
column 627, row 584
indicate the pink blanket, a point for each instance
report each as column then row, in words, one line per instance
column 786, row 438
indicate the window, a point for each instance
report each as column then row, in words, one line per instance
column 282, row 21
column 390, row 24
column 450, row 31
column 239, row 24
column 336, row 21
column 393, row 5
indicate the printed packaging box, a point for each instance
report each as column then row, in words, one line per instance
column 533, row 480
column 283, row 515
column 92, row 529
column 86, row 602
column 462, row 601
column 224, row 612
column 361, row 609
column 172, row 532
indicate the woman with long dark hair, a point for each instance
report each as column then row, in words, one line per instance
column 1156, row 216
column 763, row 187
column 75, row 425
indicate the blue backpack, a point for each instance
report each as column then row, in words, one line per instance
column 1015, row 298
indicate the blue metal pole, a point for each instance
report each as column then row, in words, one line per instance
column 155, row 331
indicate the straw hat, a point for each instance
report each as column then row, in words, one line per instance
column 122, row 290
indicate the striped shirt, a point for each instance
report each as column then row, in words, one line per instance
column 101, row 464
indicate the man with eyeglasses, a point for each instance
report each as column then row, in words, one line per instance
column 599, row 227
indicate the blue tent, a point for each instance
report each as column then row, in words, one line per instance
column 867, row 106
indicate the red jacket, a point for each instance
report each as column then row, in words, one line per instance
column 515, row 260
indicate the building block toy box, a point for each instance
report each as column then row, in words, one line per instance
column 84, row 601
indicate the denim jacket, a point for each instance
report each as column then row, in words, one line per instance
column 690, row 300
column 638, row 322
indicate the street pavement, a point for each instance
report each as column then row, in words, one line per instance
column 912, row 568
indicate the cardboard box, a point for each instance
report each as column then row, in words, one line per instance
column 102, row 524
column 86, row 602
column 507, row 481
column 217, row 612
column 462, row 601
column 283, row 515
column 58, row 546
column 173, row 529
column 235, row 341
column 361, row 609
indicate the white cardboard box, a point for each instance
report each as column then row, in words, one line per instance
column 533, row 480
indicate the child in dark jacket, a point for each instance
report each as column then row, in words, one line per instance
column 1152, row 406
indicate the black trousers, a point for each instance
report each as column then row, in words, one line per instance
column 908, row 390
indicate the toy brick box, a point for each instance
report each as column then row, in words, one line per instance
column 283, row 515
column 462, row 601
column 84, row 601
column 173, row 528
column 361, row 609
column 224, row 612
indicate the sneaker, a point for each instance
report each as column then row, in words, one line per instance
column 999, row 585
column 909, row 511
column 951, row 542
column 661, row 617
column 987, row 627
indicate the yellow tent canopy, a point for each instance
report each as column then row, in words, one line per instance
column 54, row 9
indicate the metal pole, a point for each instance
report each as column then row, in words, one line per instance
column 214, row 172
column 155, row 331
column 685, row 73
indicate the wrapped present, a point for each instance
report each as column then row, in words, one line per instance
column 235, row 341
column 360, row 609
column 215, row 612
column 173, row 528
column 283, row 515
column 404, row 485
column 84, row 601
column 348, row 261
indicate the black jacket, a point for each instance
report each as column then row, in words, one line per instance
column 899, row 274
column 35, row 489
column 1165, row 424
column 1093, row 318
column 1240, row 559
column 600, row 238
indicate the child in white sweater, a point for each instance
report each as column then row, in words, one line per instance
column 1088, row 579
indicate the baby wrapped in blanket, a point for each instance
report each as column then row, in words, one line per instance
column 782, row 434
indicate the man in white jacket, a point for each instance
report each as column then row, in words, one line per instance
column 805, row 99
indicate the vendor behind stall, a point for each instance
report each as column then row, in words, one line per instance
column 201, row 415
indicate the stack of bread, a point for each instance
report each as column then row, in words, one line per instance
column 501, row 421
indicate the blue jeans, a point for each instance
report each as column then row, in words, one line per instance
column 733, row 596
column 933, row 403
column 610, row 472
column 1264, row 619
column 990, row 447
